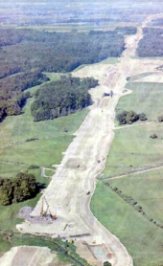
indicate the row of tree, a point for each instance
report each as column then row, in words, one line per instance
column 62, row 97
column 129, row 117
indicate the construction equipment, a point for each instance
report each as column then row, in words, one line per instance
column 44, row 213
column 107, row 94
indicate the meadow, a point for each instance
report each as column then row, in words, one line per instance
column 134, row 150
column 142, row 239
column 26, row 145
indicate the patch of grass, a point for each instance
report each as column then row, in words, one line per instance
column 149, row 196
column 66, row 251
column 111, row 60
column 17, row 154
column 53, row 137
column 53, row 76
column 133, row 149
column 9, row 219
column 143, row 240
column 146, row 98
column 140, row 76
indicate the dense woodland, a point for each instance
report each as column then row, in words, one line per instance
column 12, row 96
column 62, row 97
column 58, row 52
column 157, row 22
column 152, row 43
column 25, row 54
column 20, row 188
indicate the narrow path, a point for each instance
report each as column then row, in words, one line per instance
column 71, row 188
column 136, row 172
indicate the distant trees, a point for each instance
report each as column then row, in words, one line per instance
column 142, row 117
column 25, row 54
column 106, row 263
column 154, row 136
column 18, row 189
column 160, row 118
column 12, row 95
column 57, row 51
column 152, row 43
column 62, row 97
column 129, row 117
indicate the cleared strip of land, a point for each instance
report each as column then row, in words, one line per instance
column 70, row 191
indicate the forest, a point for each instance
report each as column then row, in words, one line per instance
column 152, row 43
column 25, row 54
column 12, row 96
column 62, row 97
column 57, row 51
column 20, row 188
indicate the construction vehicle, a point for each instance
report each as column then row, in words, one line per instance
column 108, row 94
column 46, row 212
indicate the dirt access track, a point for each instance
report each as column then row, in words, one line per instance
column 72, row 186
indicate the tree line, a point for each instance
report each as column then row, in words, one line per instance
column 129, row 117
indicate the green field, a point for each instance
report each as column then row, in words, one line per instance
column 24, row 145
column 143, row 240
column 134, row 150
column 146, row 97
column 150, row 196
column 24, row 142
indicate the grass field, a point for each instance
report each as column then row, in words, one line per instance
column 142, row 239
column 24, row 142
column 110, row 60
column 24, row 145
column 150, row 196
column 146, row 97
column 133, row 149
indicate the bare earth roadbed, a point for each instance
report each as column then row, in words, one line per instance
column 29, row 256
column 70, row 191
